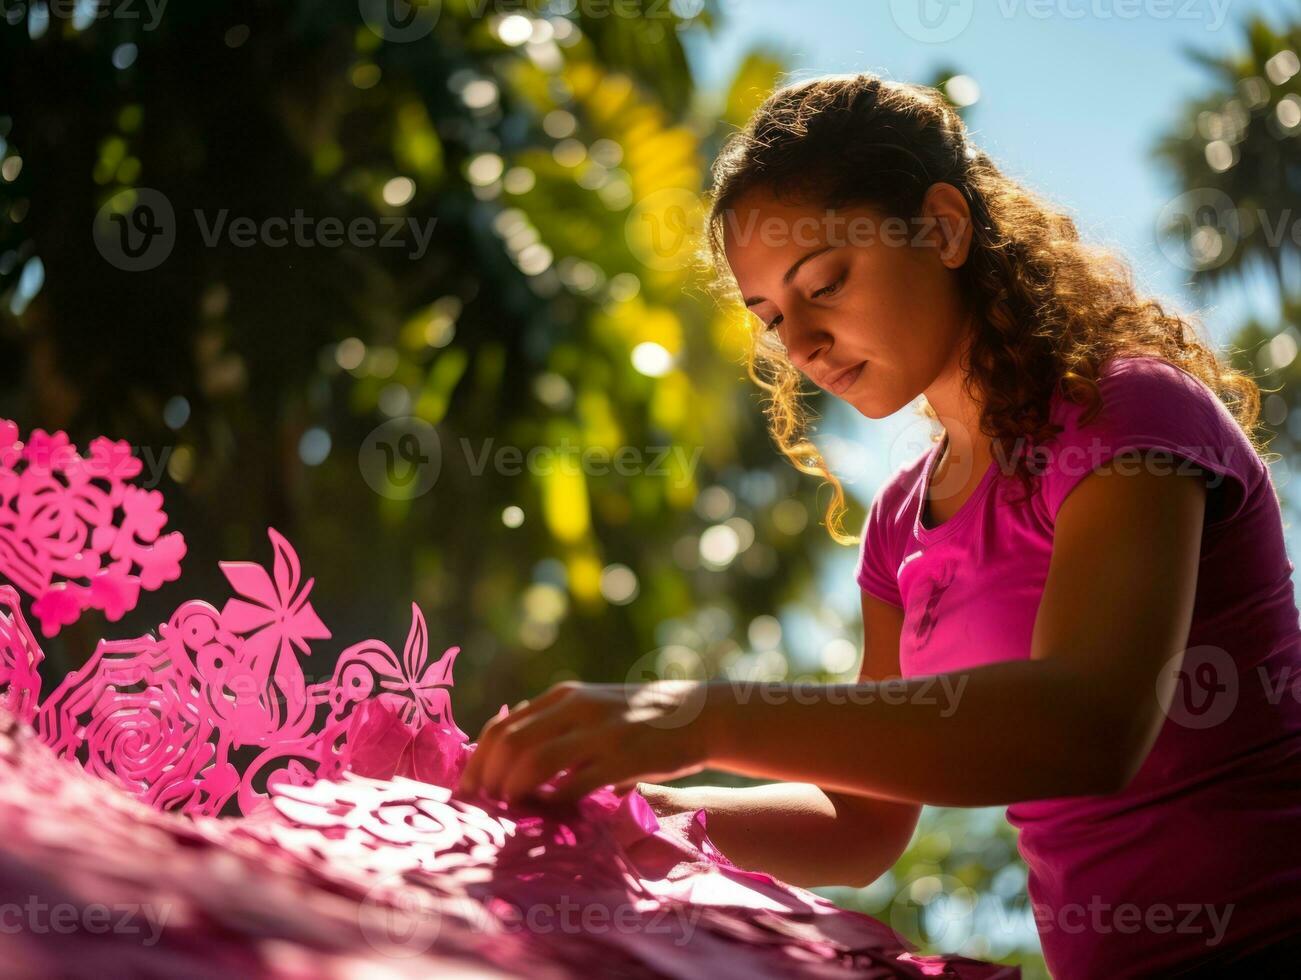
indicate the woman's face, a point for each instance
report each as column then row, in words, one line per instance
column 867, row 307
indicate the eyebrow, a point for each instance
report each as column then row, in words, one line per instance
column 790, row 273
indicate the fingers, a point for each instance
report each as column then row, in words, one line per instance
column 493, row 729
column 471, row 776
column 521, row 710
column 537, row 763
column 600, row 772
column 501, row 747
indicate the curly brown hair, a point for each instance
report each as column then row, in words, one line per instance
column 1049, row 310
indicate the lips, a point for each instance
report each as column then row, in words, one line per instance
column 842, row 381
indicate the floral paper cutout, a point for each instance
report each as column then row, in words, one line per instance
column 20, row 654
column 164, row 716
column 353, row 850
column 75, row 534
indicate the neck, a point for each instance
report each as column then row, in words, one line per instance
column 959, row 414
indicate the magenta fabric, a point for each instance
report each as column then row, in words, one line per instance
column 1199, row 858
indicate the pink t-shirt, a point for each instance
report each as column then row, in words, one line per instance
column 1200, row 856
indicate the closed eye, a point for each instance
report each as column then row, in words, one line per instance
column 775, row 321
column 828, row 289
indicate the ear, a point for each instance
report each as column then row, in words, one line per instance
column 951, row 231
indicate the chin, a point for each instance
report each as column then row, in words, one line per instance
column 878, row 408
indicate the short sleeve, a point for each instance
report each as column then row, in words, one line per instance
column 1152, row 406
column 878, row 555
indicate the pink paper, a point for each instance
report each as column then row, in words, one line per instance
column 74, row 533
column 344, row 847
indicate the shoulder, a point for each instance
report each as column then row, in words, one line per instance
column 1150, row 404
column 1148, row 386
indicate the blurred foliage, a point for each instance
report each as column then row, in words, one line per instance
column 1235, row 156
column 547, row 148
column 1240, row 139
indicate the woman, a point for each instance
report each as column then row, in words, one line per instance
column 1091, row 559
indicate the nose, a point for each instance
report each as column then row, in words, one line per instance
column 805, row 344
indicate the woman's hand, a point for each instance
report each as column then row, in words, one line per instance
column 600, row 734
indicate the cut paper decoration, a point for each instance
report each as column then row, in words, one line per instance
column 20, row 655
column 217, row 706
column 75, row 533
column 263, row 824
column 397, row 878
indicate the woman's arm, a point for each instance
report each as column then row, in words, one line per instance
column 1079, row 717
column 795, row 831
column 802, row 834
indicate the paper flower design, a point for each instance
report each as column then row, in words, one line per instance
column 379, row 743
column 130, row 710
column 166, row 716
column 351, row 842
column 20, row 683
column 273, row 614
column 75, row 534
column 380, row 704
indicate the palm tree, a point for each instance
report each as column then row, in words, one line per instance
column 1235, row 156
